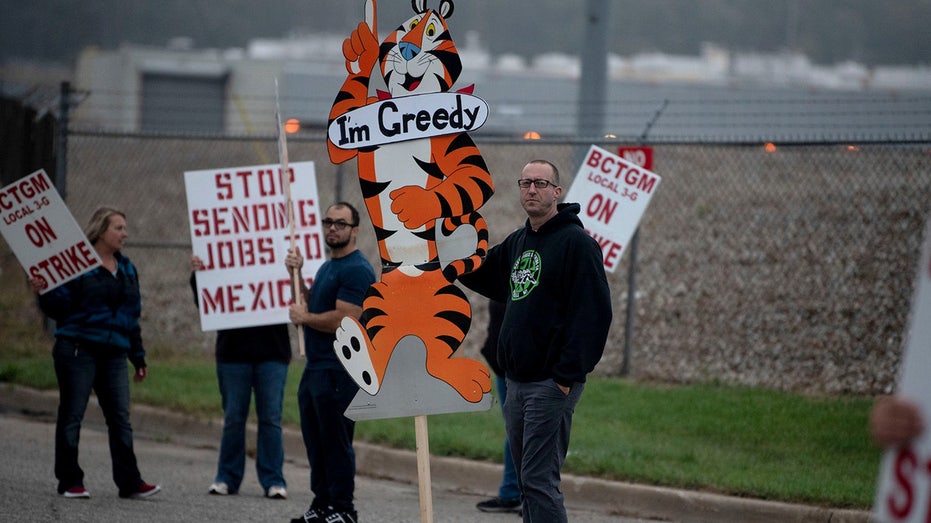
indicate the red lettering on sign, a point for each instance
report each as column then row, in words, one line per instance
column 306, row 213
column 245, row 183
column 63, row 265
column 594, row 158
column 903, row 500
column 639, row 179
column 259, row 296
column 241, row 252
column 310, row 245
column 25, row 189
column 610, row 250
column 601, row 208
column 40, row 232
column 225, row 298
column 240, row 219
column 270, row 294
column 632, row 175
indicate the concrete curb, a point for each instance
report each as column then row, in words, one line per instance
column 461, row 475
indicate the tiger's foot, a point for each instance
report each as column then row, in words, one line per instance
column 469, row 377
column 352, row 349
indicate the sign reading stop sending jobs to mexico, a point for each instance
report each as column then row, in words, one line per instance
column 42, row 232
column 903, row 493
column 240, row 229
column 614, row 194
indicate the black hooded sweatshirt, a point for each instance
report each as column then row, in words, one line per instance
column 558, row 302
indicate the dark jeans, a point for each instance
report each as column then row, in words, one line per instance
column 237, row 382
column 323, row 396
column 538, row 418
column 508, row 490
column 79, row 369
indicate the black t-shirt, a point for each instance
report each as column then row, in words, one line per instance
column 250, row 344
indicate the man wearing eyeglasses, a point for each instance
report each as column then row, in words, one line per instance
column 326, row 389
column 558, row 312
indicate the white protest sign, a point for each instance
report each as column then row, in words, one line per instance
column 614, row 194
column 904, row 489
column 42, row 232
column 408, row 118
column 240, row 229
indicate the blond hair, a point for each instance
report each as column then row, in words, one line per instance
column 100, row 222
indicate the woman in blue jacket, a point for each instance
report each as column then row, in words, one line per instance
column 97, row 317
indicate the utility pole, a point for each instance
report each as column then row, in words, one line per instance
column 593, row 81
column 792, row 12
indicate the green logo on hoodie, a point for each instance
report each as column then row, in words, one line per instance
column 525, row 275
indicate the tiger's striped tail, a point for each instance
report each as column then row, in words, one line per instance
column 461, row 266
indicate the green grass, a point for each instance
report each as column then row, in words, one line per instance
column 733, row 440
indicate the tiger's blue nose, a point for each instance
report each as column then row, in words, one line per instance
column 408, row 50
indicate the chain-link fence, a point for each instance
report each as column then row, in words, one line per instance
column 789, row 269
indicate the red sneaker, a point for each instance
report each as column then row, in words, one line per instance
column 76, row 492
column 145, row 490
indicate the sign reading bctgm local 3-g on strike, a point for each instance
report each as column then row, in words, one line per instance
column 42, row 233
column 614, row 194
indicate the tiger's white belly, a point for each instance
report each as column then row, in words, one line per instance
column 395, row 162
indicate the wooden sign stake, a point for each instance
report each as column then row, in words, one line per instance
column 423, row 468
column 296, row 296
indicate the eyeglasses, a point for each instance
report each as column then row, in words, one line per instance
column 339, row 224
column 539, row 183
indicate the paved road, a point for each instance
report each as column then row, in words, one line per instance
column 179, row 451
column 27, row 486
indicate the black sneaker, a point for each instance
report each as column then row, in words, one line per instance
column 499, row 505
column 312, row 515
column 341, row 517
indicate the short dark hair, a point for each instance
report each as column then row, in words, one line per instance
column 552, row 166
column 352, row 210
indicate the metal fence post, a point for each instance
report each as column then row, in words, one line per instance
column 61, row 160
column 632, row 273
column 631, row 304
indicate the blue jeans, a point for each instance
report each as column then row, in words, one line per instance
column 323, row 396
column 80, row 368
column 508, row 490
column 538, row 418
column 237, row 382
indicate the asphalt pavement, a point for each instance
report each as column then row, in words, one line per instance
column 179, row 453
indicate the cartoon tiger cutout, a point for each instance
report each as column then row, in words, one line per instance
column 411, row 189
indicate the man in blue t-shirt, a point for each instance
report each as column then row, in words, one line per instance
column 326, row 389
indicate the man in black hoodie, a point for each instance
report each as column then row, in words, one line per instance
column 551, row 276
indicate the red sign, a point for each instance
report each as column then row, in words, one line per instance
column 638, row 155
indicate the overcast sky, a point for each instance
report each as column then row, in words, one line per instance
column 828, row 31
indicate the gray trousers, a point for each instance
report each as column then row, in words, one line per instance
column 538, row 418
